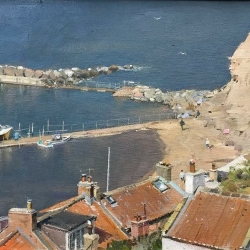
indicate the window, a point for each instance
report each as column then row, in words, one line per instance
column 160, row 185
column 76, row 240
column 72, row 241
column 110, row 200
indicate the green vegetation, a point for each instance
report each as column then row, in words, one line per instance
column 151, row 242
column 238, row 180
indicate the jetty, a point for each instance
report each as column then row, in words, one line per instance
column 24, row 141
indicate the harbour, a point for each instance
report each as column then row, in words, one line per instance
column 136, row 38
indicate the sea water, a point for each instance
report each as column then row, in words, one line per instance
column 172, row 45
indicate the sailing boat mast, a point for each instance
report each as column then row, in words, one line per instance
column 108, row 170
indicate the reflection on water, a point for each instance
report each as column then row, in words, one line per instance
column 51, row 175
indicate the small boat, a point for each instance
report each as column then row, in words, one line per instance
column 4, row 132
column 59, row 138
column 46, row 144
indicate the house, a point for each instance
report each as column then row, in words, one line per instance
column 58, row 230
column 152, row 200
column 89, row 203
column 93, row 219
column 238, row 163
column 127, row 212
column 210, row 220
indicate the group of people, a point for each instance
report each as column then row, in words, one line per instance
column 182, row 123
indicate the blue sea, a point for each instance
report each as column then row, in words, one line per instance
column 172, row 45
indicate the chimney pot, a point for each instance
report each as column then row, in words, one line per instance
column 192, row 166
column 29, row 204
column 213, row 166
column 84, row 177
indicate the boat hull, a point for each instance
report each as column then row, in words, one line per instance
column 63, row 139
column 5, row 132
column 44, row 145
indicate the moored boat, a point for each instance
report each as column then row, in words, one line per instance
column 46, row 144
column 5, row 132
column 59, row 138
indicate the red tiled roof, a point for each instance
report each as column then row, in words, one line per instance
column 105, row 227
column 130, row 201
column 214, row 220
column 17, row 241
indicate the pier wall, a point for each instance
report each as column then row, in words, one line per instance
column 21, row 80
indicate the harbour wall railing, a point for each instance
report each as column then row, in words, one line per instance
column 107, row 85
column 48, row 128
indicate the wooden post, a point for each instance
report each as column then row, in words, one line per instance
column 19, row 128
column 48, row 126
column 32, row 129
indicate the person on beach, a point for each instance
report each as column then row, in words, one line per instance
column 182, row 176
column 207, row 143
column 197, row 113
column 182, row 123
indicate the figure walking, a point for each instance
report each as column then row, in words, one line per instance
column 207, row 143
column 182, row 176
column 182, row 123
column 197, row 113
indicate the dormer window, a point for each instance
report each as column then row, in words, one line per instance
column 160, row 185
column 111, row 201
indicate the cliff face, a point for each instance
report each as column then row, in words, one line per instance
column 239, row 86
column 229, row 108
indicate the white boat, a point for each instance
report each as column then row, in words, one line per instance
column 45, row 144
column 59, row 138
column 5, row 132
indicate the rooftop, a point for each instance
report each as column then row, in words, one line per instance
column 158, row 196
column 67, row 220
column 213, row 220
column 17, row 241
column 104, row 226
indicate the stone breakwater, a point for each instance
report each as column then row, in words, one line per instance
column 179, row 101
column 54, row 78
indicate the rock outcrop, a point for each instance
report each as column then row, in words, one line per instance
column 180, row 101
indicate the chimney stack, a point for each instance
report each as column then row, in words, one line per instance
column 89, row 189
column 192, row 166
column 24, row 218
column 139, row 226
column 164, row 169
column 194, row 178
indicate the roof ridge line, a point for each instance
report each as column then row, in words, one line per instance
column 58, row 210
column 132, row 185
